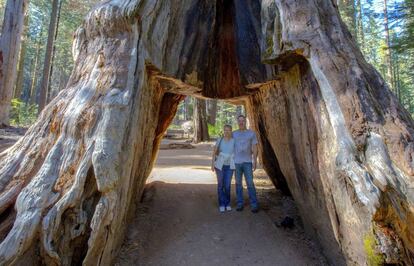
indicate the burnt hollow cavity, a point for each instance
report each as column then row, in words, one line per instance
column 222, row 41
column 222, row 77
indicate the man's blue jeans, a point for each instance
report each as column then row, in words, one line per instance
column 224, row 185
column 247, row 170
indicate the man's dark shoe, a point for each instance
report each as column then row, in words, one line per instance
column 255, row 210
column 239, row 208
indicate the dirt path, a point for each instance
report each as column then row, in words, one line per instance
column 178, row 222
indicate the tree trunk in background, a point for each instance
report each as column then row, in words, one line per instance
column 187, row 108
column 20, row 73
column 51, row 94
column 388, row 55
column 397, row 79
column 47, row 64
column 200, row 121
column 35, row 72
column 9, row 49
column 330, row 131
column 212, row 111
column 360, row 25
column 26, row 92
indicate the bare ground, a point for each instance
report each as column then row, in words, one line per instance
column 178, row 223
column 9, row 136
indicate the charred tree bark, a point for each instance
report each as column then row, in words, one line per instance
column 332, row 134
column 9, row 50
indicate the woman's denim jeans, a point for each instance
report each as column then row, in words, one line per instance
column 247, row 170
column 224, row 185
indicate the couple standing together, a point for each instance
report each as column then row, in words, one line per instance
column 235, row 151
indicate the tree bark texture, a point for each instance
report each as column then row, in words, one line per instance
column 10, row 41
column 331, row 133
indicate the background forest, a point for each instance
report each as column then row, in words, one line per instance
column 43, row 48
column 384, row 30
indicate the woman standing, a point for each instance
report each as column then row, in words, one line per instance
column 223, row 164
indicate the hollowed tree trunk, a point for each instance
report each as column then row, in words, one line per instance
column 330, row 131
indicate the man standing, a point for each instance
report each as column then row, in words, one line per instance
column 245, row 158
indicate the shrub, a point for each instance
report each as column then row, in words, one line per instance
column 22, row 114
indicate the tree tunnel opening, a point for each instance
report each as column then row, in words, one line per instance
column 178, row 135
column 174, row 119
column 179, row 203
column 287, row 133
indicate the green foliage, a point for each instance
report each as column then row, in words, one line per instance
column 226, row 115
column 215, row 130
column 39, row 11
column 22, row 114
column 366, row 21
column 402, row 17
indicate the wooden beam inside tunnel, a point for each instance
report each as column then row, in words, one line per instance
column 176, row 86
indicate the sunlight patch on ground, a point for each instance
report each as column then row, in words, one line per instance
column 183, row 175
column 192, row 166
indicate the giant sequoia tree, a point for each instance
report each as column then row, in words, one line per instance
column 331, row 132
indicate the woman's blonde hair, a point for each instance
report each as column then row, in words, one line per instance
column 228, row 126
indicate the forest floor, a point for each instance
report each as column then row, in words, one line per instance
column 9, row 135
column 178, row 222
